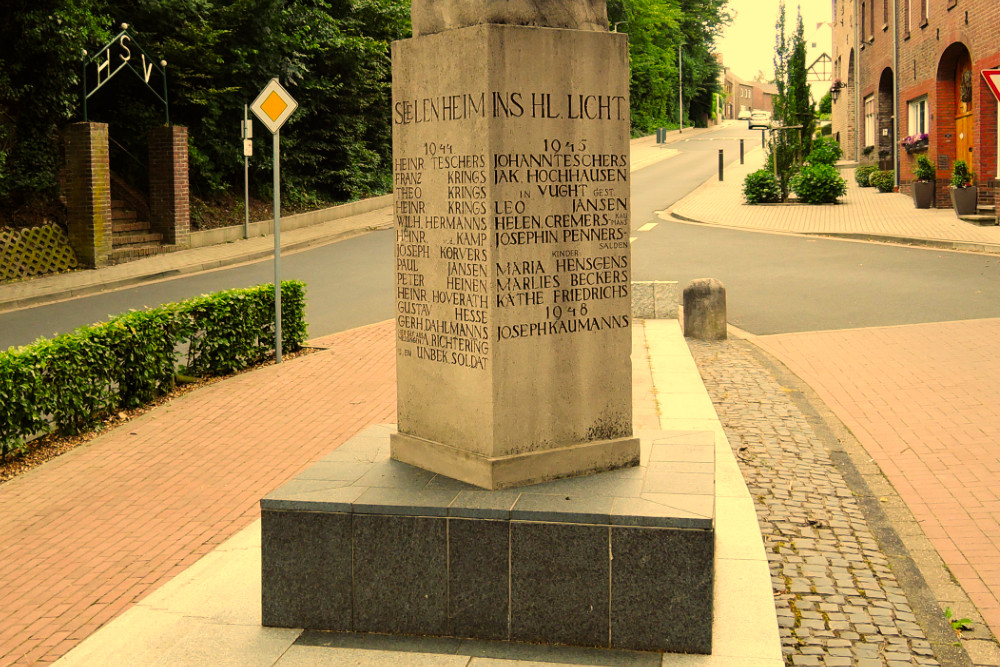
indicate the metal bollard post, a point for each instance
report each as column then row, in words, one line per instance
column 720, row 164
column 741, row 151
column 762, row 144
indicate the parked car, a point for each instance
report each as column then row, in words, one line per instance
column 760, row 119
column 744, row 115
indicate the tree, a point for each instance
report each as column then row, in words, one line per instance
column 793, row 108
column 41, row 42
column 658, row 30
column 826, row 104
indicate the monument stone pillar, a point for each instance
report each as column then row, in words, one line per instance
column 513, row 267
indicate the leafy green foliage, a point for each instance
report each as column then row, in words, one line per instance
column 761, row 187
column 68, row 383
column 925, row 170
column 819, row 184
column 825, row 106
column 957, row 624
column 884, row 180
column 332, row 55
column 793, row 108
column 658, row 30
column 863, row 174
column 824, row 151
column 961, row 175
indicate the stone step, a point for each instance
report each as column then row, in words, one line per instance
column 119, row 226
column 117, row 203
column 125, row 239
column 122, row 214
column 986, row 208
column 981, row 220
column 127, row 254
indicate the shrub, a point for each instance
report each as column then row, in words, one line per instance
column 961, row 175
column 924, row 170
column 819, row 184
column 863, row 174
column 885, row 181
column 68, row 383
column 824, row 151
column 761, row 187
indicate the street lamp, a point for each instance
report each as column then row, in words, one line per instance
column 680, row 88
column 835, row 89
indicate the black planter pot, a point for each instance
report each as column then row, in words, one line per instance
column 923, row 194
column 965, row 200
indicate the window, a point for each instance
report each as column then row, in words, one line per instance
column 923, row 12
column 863, row 22
column 906, row 18
column 870, row 120
column 885, row 14
column 917, row 118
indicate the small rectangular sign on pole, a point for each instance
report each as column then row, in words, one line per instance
column 273, row 107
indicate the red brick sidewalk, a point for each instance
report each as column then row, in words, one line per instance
column 923, row 400
column 90, row 533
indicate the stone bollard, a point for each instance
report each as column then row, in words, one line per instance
column 705, row 309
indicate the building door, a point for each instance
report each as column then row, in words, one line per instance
column 963, row 116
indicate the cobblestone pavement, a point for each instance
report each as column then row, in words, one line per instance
column 838, row 602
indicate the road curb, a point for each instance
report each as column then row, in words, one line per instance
column 917, row 243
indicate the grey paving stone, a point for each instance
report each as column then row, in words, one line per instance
column 825, row 563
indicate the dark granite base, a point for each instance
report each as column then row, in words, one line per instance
column 621, row 559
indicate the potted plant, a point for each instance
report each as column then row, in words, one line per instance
column 964, row 195
column 923, row 188
column 915, row 143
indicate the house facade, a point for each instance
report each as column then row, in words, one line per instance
column 908, row 81
column 741, row 95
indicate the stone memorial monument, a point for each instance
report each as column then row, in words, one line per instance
column 513, row 314
column 510, row 156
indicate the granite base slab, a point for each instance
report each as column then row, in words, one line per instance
column 621, row 559
column 504, row 472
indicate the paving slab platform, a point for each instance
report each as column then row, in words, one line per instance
column 211, row 613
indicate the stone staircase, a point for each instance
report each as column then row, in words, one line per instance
column 131, row 238
column 986, row 215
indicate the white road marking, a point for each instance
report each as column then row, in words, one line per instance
column 648, row 226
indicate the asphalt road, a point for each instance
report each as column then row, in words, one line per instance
column 349, row 284
column 775, row 283
column 779, row 283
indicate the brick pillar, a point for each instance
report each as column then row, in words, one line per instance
column 88, row 196
column 169, row 206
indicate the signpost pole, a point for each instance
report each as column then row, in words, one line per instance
column 277, row 252
column 246, row 175
column 273, row 106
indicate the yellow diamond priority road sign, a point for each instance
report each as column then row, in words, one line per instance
column 273, row 106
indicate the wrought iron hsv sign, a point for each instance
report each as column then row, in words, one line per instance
column 122, row 51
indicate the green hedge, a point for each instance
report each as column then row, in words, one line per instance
column 819, row 184
column 761, row 187
column 69, row 383
column 863, row 175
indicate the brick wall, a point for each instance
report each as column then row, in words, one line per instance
column 88, row 192
column 169, row 202
column 927, row 58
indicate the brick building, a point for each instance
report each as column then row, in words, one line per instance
column 908, row 75
column 741, row 95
